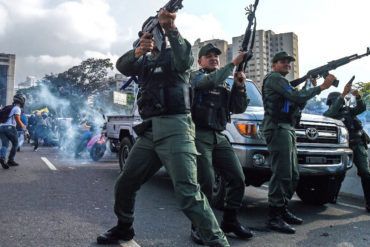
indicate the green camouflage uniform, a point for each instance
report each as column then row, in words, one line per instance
column 215, row 149
column 360, row 156
column 169, row 142
column 281, row 139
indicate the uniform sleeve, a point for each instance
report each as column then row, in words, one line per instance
column 282, row 86
column 182, row 55
column 359, row 108
column 238, row 101
column 213, row 79
column 334, row 108
column 128, row 65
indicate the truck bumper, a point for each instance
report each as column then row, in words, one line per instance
column 311, row 161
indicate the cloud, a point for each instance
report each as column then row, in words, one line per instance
column 87, row 22
column 59, row 61
column 204, row 27
column 3, row 19
column 84, row 22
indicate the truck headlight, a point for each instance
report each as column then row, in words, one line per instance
column 249, row 129
column 343, row 135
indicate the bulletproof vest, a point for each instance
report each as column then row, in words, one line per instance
column 353, row 125
column 161, row 91
column 280, row 109
column 210, row 107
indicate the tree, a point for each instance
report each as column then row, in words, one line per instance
column 364, row 90
column 67, row 93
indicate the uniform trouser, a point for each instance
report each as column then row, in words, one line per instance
column 281, row 144
column 222, row 157
column 8, row 133
column 361, row 160
column 177, row 154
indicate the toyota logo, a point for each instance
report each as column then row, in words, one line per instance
column 312, row 134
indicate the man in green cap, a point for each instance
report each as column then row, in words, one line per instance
column 358, row 138
column 282, row 104
column 166, row 135
column 213, row 103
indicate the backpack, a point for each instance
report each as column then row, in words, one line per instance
column 4, row 113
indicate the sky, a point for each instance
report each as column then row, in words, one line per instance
column 50, row 36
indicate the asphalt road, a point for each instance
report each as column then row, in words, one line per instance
column 71, row 205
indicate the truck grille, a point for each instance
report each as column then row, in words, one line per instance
column 317, row 133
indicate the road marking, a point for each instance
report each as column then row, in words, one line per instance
column 338, row 203
column 349, row 205
column 49, row 164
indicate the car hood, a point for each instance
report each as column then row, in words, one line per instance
column 256, row 113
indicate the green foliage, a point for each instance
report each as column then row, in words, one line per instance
column 364, row 90
column 67, row 93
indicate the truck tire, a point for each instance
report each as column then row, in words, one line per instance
column 319, row 190
column 219, row 191
column 124, row 149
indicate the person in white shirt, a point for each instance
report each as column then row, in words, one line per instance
column 8, row 131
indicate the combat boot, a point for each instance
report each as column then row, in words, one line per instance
column 194, row 235
column 3, row 164
column 230, row 225
column 276, row 222
column 290, row 218
column 366, row 187
column 123, row 232
column 12, row 163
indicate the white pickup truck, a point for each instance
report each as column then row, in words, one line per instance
column 322, row 143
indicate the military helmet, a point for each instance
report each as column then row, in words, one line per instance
column 331, row 97
column 19, row 99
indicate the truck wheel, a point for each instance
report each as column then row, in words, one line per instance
column 219, row 192
column 124, row 149
column 319, row 191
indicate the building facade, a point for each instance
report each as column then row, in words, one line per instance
column 7, row 77
column 220, row 44
column 31, row 81
column 267, row 44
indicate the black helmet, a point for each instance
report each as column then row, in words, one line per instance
column 19, row 99
column 331, row 97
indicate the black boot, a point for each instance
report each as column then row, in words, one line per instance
column 290, row 218
column 276, row 222
column 3, row 164
column 123, row 232
column 231, row 225
column 366, row 187
column 194, row 235
column 12, row 163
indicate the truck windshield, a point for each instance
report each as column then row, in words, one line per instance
column 252, row 91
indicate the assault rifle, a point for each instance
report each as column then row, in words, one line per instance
column 151, row 25
column 323, row 71
column 249, row 36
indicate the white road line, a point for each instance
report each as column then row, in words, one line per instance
column 49, row 164
column 350, row 205
column 338, row 203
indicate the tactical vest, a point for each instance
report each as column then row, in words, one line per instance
column 210, row 108
column 280, row 109
column 353, row 125
column 161, row 91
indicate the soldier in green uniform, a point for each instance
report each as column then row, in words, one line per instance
column 358, row 138
column 166, row 136
column 282, row 103
column 214, row 101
